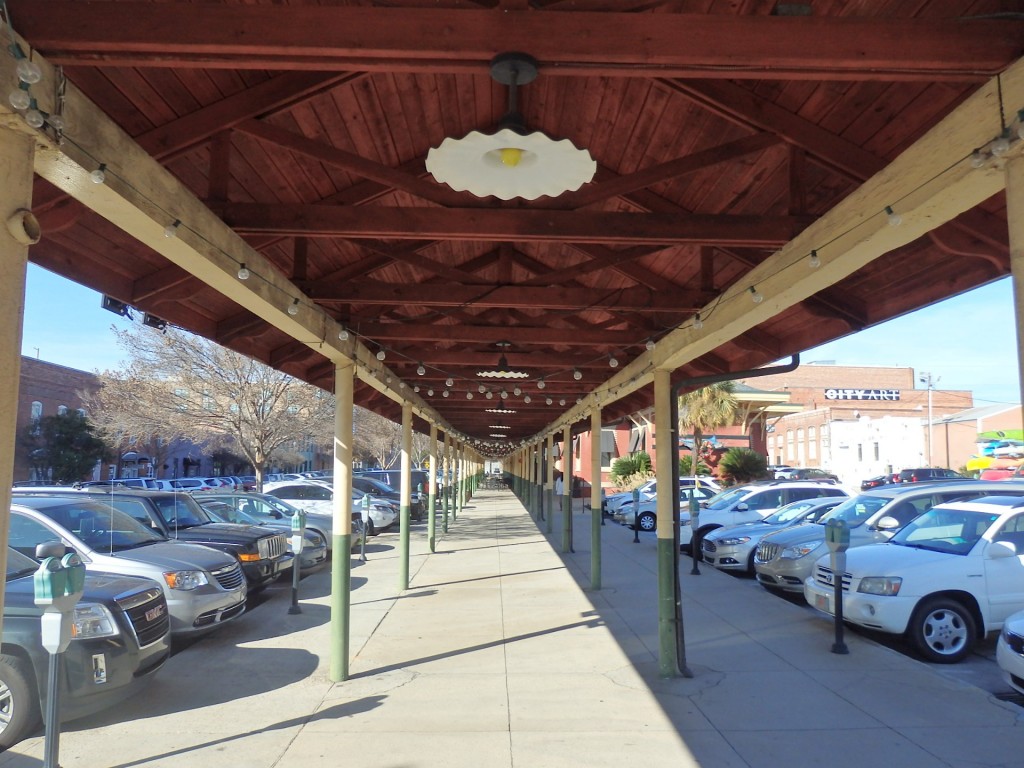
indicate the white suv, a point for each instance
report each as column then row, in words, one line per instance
column 747, row 503
column 948, row 577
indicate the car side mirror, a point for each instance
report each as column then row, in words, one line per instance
column 741, row 507
column 704, row 505
column 999, row 550
column 887, row 523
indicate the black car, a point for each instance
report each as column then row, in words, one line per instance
column 921, row 474
column 813, row 473
column 875, row 482
column 121, row 637
column 262, row 552
column 384, row 484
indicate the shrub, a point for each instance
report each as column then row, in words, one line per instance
column 630, row 471
column 742, row 465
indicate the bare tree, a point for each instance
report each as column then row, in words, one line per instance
column 176, row 385
column 376, row 439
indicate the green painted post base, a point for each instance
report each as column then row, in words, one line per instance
column 595, row 548
column 566, row 523
column 341, row 601
column 405, row 513
column 432, row 520
column 445, row 495
column 668, row 667
column 551, row 516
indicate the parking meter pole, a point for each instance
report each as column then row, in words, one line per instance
column 837, row 536
column 366, row 526
column 694, row 548
column 296, row 541
column 58, row 586
column 636, row 515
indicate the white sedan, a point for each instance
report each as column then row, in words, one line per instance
column 1010, row 651
column 948, row 577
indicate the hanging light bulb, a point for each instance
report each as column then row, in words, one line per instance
column 541, row 384
column 342, row 333
column 449, row 382
column 547, row 401
column 19, row 98
column 381, row 354
column 171, row 230
column 813, row 261
column 1001, row 145
column 517, row 391
column 293, row 308
column 697, row 322
column 561, row 401
column 421, row 370
column 416, row 388
column 527, row 399
column 469, row 395
column 650, row 345
column 430, row 393
column 504, row 395
column 978, row 158
column 489, row 395
column 577, row 374
column 894, row 218
column 99, row 175
column 29, row 72
column 755, row 296
column 613, row 362
column 34, row 118
column 481, row 389
column 244, row 274
column 57, row 122
column 444, row 393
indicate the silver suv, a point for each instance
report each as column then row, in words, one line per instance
column 747, row 503
column 784, row 560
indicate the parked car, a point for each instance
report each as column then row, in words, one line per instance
column 784, row 560
column 269, row 509
column 875, row 482
column 732, row 547
column 784, row 472
column 313, row 496
column 191, row 484
column 646, row 512
column 950, row 576
column 262, row 552
column 752, row 502
column 922, row 474
column 375, row 483
column 1010, row 651
column 812, row 473
column 314, row 546
column 613, row 502
column 120, row 638
column 203, row 587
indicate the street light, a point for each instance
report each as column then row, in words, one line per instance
column 925, row 377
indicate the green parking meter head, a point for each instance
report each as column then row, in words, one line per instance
column 837, row 535
column 75, row 570
column 419, row 488
column 299, row 521
column 636, row 495
column 50, row 581
column 366, row 501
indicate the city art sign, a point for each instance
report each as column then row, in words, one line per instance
column 862, row 394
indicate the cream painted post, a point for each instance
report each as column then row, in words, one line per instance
column 446, row 490
column 595, row 498
column 567, row 489
column 549, row 482
column 460, row 468
column 432, row 494
column 341, row 508
column 405, row 497
column 667, row 452
column 1015, row 223
column 17, row 152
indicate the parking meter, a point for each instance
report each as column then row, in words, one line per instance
column 298, row 538
column 59, row 584
column 636, row 515
column 694, row 525
column 366, row 526
column 837, row 537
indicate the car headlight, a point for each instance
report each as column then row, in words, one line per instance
column 799, row 550
column 734, row 541
column 186, row 580
column 91, row 620
column 880, row 585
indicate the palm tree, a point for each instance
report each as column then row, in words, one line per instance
column 705, row 410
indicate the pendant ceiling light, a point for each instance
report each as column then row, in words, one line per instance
column 512, row 162
column 503, row 370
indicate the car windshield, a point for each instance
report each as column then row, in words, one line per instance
column 18, row 565
column 954, row 531
column 181, row 511
column 223, row 512
column 101, row 526
column 789, row 513
column 854, row 512
column 726, row 499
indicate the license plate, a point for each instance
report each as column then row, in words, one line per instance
column 823, row 603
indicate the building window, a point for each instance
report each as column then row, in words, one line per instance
column 62, row 410
column 860, row 452
column 37, row 410
column 878, row 452
column 609, row 449
column 801, row 447
column 812, row 443
column 790, row 453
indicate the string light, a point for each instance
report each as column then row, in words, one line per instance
column 814, row 261
column 293, row 308
column 894, row 218
column 577, row 374
column 444, row 393
column 755, row 297
column 28, row 71
column 517, row 391
column 416, row 388
column 430, row 393
column 489, row 395
column 481, row 389
column 244, row 274
column 342, row 333
column 19, row 98
column 1001, row 145
column 469, row 395
column 561, row 401
column 540, row 383
column 99, row 175
column 697, row 322
column 171, row 230
column 421, row 370
column 612, row 362
column 547, row 401
column 381, row 354
column 449, row 382
column 978, row 159
column 33, row 117
column 650, row 345
column 527, row 399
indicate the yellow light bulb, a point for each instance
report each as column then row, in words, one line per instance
column 511, row 156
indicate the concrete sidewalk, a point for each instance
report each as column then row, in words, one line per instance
column 498, row 655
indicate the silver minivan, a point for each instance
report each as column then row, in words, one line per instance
column 204, row 587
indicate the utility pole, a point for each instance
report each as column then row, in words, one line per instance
column 925, row 377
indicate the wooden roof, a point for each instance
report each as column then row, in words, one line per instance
column 722, row 131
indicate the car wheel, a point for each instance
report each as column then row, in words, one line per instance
column 646, row 521
column 371, row 529
column 750, row 562
column 19, row 706
column 942, row 630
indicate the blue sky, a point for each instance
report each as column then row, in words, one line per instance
column 967, row 342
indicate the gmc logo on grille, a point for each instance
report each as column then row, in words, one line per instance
column 154, row 613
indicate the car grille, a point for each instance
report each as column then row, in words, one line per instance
column 230, row 576
column 824, row 576
column 766, row 552
column 218, row 616
column 148, row 615
column 708, row 546
column 1016, row 642
column 272, row 547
